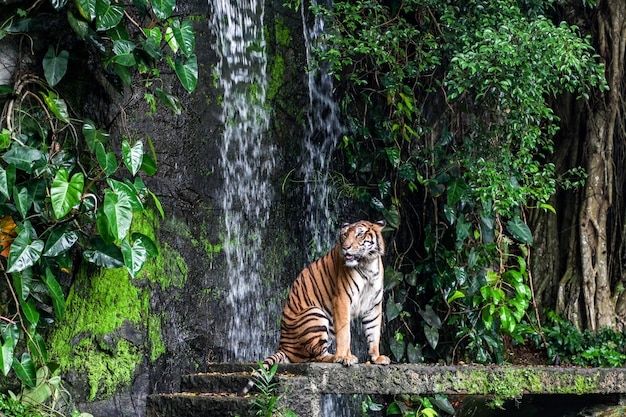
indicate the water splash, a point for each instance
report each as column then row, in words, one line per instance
column 324, row 129
column 246, row 162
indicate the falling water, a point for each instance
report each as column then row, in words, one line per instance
column 246, row 162
column 324, row 129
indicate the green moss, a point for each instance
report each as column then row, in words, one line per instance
column 104, row 306
column 110, row 301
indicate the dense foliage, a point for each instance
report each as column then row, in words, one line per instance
column 64, row 191
column 450, row 135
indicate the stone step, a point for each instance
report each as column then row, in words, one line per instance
column 187, row 404
column 214, row 382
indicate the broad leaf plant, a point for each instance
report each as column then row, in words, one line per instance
column 65, row 194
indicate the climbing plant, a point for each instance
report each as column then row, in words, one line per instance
column 450, row 132
column 68, row 190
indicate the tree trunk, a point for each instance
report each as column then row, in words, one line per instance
column 595, row 230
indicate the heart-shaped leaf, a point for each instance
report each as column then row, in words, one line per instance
column 55, row 66
column 107, row 160
column 118, row 212
column 132, row 156
column 163, row 8
column 187, row 72
column 60, row 241
column 107, row 15
column 105, row 255
column 24, row 253
column 66, row 194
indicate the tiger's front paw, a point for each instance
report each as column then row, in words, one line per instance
column 347, row 360
column 382, row 360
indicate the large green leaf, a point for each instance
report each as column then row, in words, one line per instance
column 105, row 255
column 185, row 38
column 23, row 157
column 107, row 15
column 163, row 8
column 134, row 256
column 119, row 213
column 519, row 230
column 60, row 241
column 129, row 190
column 66, row 194
column 56, row 292
column 7, row 179
column 187, row 72
column 6, row 359
column 25, row 370
column 107, row 160
column 132, row 156
column 87, row 9
column 23, row 253
column 55, row 66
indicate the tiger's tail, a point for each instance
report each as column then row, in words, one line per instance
column 278, row 357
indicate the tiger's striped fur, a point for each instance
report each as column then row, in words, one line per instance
column 345, row 284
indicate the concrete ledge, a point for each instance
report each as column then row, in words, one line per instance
column 303, row 386
column 507, row 381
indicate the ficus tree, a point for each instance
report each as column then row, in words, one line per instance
column 68, row 190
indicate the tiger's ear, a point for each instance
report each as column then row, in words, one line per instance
column 344, row 224
column 381, row 223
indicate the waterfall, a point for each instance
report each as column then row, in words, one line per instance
column 246, row 163
column 324, row 129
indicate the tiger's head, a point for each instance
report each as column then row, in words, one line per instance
column 361, row 241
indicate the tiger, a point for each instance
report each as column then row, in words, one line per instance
column 344, row 284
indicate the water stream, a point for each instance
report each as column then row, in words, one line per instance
column 246, row 162
column 324, row 129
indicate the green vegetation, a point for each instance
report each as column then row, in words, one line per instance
column 267, row 402
column 450, row 133
column 64, row 192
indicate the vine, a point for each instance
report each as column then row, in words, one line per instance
column 65, row 194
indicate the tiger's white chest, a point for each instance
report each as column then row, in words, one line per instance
column 367, row 288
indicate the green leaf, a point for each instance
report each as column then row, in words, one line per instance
column 163, row 8
column 185, row 38
column 392, row 310
column 169, row 100
column 397, row 345
column 93, row 135
column 157, row 203
column 107, row 160
column 23, row 253
column 128, row 190
column 105, row 255
column 394, row 409
column 123, row 51
column 66, row 194
column 147, row 243
column 148, row 165
column 136, row 255
column 519, row 230
column 57, row 106
column 30, row 310
column 119, row 213
column 60, row 241
column 132, row 156
column 23, row 157
column 56, row 292
column 55, row 66
column 457, row 294
column 187, row 72
column 547, row 206
column 87, row 9
column 432, row 335
column 456, row 191
column 107, row 15
column 7, row 179
column 6, row 359
column 23, row 200
column 25, row 370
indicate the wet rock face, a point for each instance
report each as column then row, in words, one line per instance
column 184, row 317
